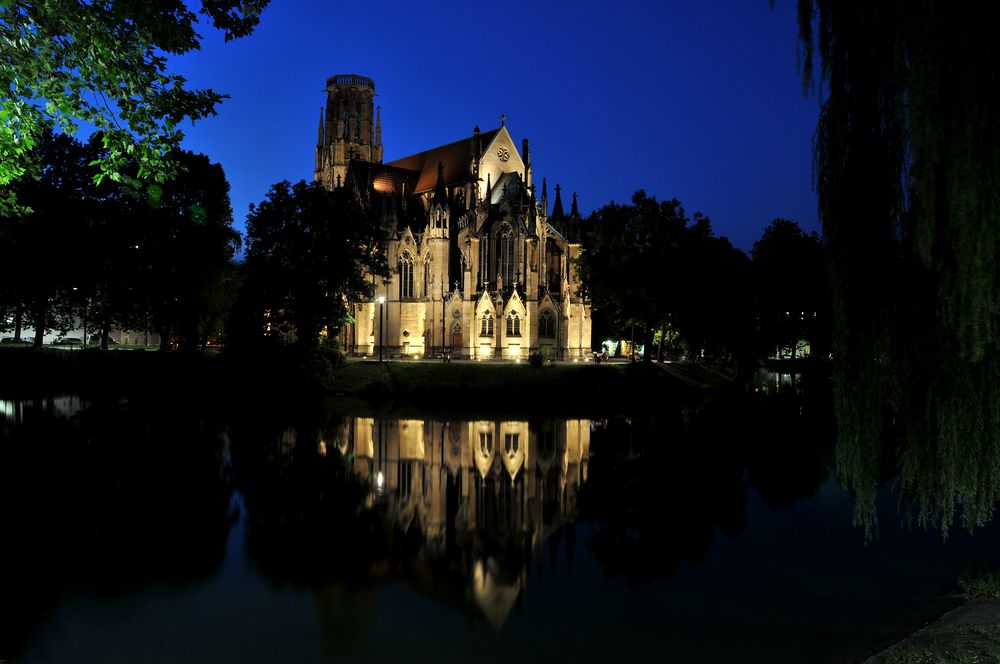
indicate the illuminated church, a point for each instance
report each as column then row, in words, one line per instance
column 480, row 265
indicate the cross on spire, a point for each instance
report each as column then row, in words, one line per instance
column 503, row 119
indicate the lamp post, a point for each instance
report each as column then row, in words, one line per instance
column 381, row 324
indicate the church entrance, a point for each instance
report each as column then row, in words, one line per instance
column 456, row 337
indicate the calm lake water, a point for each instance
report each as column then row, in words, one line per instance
column 699, row 533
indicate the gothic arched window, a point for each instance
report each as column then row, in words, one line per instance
column 506, row 254
column 547, row 325
column 485, row 443
column 513, row 325
column 405, row 275
column 512, row 444
column 427, row 276
column 486, row 326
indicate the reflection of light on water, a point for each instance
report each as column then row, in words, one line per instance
column 67, row 406
column 773, row 381
column 7, row 409
column 494, row 597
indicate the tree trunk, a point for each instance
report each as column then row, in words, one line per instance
column 18, row 321
column 39, row 311
column 647, row 342
column 659, row 352
column 165, row 339
column 105, row 329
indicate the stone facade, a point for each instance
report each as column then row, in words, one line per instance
column 480, row 265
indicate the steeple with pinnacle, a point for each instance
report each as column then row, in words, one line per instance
column 558, row 217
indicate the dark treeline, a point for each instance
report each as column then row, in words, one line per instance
column 105, row 256
column 76, row 253
column 666, row 279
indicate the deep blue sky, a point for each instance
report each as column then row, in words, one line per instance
column 699, row 101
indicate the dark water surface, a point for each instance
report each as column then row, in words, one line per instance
column 710, row 532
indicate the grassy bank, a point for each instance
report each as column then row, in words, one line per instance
column 463, row 386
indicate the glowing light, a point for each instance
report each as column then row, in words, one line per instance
column 381, row 299
column 379, row 480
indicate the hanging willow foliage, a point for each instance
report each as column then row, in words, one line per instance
column 907, row 168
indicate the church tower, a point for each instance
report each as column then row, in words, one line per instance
column 350, row 127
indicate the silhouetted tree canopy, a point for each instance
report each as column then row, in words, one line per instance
column 906, row 160
column 42, row 259
column 98, row 254
column 648, row 264
column 789, row 269
column 309, row 252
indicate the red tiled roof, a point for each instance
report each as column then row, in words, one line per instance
column 383, row 178
column 456, row 158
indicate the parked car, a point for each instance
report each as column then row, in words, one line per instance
column 68, row 341
column 11, row 341
column 96, row 341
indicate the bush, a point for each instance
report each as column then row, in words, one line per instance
column 536, row 360
column 980, row 585
column 330, row 350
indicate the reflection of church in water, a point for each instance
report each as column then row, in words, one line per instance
column 479, row 264
column 484, row 495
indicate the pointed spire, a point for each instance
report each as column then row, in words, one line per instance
column 557, row 207
column 545, row 198
column 489, row 190
column 573, row 225
column 440, row 193
column 322, row 139
column 476, row 153
column 526, row 158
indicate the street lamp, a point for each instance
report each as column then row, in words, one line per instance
column 381, row 324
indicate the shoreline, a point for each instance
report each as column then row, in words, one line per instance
column 965, row 634
column 566, row 389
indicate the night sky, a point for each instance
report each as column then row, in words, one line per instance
column 699, row 101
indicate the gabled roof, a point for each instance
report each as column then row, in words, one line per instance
column 456, row 158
